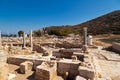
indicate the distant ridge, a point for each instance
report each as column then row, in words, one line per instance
column 106, row 24
column 109, row 23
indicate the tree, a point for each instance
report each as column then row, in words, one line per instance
column 20, row 33
column 37, row 33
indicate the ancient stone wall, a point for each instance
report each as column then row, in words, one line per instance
column 16, row 61
column 19, row 60
column 69, row 67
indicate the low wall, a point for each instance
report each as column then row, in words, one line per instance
column 19, row 60
column 63, row 66
column 68, row 66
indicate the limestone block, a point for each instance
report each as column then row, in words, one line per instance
column 23, row 68
column 29, row 65
column 74, row 66
column 86, row 72
column 62, row 71
column 45, row 71
column 63, row 65
column 116, row 47
column 80, row 78
column 73, row 73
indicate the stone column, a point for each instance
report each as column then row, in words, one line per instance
column 0, row 39
column 85, row 36
column 24, row 41
column 31, row 42
column 84, row 48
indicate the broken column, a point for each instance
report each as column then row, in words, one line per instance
column 85, row 39
column 90, row 40
column 31, row 43
column 85, row 36
column 24, row 45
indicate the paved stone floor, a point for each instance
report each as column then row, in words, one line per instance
column 109, row 63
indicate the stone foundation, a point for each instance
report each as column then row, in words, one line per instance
column 64, row 66
column 86, row 72
column 25, row 67
column 46, row 71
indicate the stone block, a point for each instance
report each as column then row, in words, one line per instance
column 73, row 73
column 116, row 47
column 25, row 66
column 80, row 78
column 56, row 54
column 74, row 66
column 62, row 71
column 63, row 65
column 86, row 72
column 46, row 71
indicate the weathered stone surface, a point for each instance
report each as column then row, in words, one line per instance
column 79, row 55
column 46, row 71
column 38, row 48
column 11, row 76
column 86, row 72
column 69, row 66
column 116, row 47
column 56, row 54
column 25, row 66
column 80, row 78
column 15, row 60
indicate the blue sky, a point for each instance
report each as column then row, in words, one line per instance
column 24, row 15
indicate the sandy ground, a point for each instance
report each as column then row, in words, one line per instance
column 110, row 69
column 109, row 63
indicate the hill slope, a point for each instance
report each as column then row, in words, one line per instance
column 109, row 23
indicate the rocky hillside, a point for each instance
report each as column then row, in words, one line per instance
column 106, row 24
column 109, row 23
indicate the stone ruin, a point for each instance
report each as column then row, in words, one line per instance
column 67, row 62
column 4, row 69
column 46, row 71
column 70, row 64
